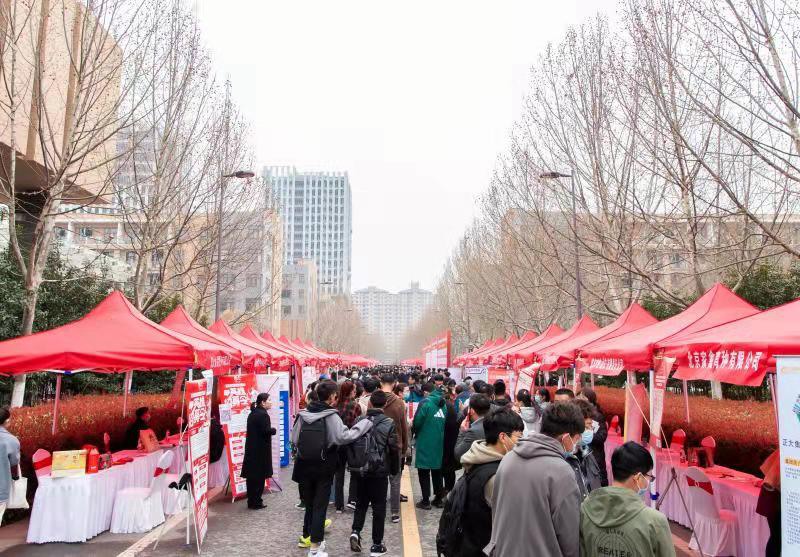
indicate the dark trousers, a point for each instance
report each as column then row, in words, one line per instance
column 352, row 496
column 449, row 479
column 425, row 482
column 774, row 542
column 315, row 494
column 255, row 489
column 371, row 491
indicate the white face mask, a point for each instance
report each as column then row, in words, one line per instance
column 641, row 491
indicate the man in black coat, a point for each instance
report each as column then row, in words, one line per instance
column 257, row 463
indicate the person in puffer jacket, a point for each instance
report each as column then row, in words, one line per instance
column 529, row 410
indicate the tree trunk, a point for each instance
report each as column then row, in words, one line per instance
column 28, row 314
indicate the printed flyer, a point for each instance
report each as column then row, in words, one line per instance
column 788, row 375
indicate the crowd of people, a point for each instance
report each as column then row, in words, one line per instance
column 534, row 469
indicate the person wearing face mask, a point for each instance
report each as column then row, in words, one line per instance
column 257, row 462
column 503, row 429
column 587, row 473
column 536, row 502
column 615, row 519
column 472, row 425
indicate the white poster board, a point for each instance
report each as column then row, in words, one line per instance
column 477, row 372
column 456, row 373
column 309, row 376
column 788, row 375
column 277, row 385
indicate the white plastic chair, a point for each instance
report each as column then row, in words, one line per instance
column 174, row 500
column 709, row 445
column 42, row 462
column 140, row 509
column 714, row 528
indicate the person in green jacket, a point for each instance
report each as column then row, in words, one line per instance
column 428, row 428
column 615, row 520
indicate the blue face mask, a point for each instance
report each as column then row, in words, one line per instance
column 586, row 437
column 646, row 489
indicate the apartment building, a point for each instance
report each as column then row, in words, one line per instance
column 316, row 209
column 299, row 299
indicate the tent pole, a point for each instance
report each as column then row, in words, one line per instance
column 686, row 400
column 653, row 491
column 126, row 385
column 55, row 404
column 773, row 391
column 591, row 378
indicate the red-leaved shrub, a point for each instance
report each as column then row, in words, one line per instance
column 745, row 431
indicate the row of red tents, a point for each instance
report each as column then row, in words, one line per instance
column 720, row 337
column 116, row 337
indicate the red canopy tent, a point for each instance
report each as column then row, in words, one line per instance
column 473, row 358
column 262, row 359
column 323, row 357
column 579, row 329
column 412, row 362
column 484, row 358
column 739, row 352
column 634, row 350
column 498, row 357
column 523, row 353
column 280, row 359
column 180, row 321
column 267, row 338
column 563, row 353
column 461, row 360
column 113, row 337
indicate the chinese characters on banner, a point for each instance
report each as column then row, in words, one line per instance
column 437, row 353
column 477, row 372
column 788, row 369
column 277, row 386
column 660, row 376
column 309, row 376
column 235, row 394
column 198, row 410
column 524, row 380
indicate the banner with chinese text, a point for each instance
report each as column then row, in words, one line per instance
column 236, row 392
column 198, row 410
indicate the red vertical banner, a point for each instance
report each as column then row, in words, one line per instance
column 661, row 373
column 198, row 417
column 235, row 394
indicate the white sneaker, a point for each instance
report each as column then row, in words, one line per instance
column 319, row 552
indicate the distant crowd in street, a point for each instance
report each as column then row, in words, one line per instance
column 534, row 478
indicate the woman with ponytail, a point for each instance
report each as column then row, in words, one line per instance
column 257, row 463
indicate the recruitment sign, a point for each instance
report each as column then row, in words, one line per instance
column 277, row 386
column 235, row 394
column 198, row 409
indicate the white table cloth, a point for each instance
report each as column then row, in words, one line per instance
column 736, row 493
column 79, row 508
column 217, row 471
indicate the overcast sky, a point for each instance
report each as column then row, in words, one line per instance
column 414, row 99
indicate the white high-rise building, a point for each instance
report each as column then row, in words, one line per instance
column 317, row 213
column 391, row 315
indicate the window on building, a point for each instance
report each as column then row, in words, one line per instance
column 286, row 293
column 286, row 310
column 252, row 304
column 253, row 281
column 227, row 304
column 154, row 279
column 86, row 232
column 301, row 310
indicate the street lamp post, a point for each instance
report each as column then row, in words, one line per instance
column 571, row 176
column 223, row 182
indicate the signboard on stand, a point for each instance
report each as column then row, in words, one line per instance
column 477, row 372
column 660, row 375
column 277, row 386
column 235, row 395
column 635, row 406
column 788, row 395
column 198, row 409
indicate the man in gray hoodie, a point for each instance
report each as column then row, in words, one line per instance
column 536, row 502
column 315, row 472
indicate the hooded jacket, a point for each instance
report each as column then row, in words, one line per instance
column 429, row 429
column 481, row 453
column 536, row 503
column 396, row 409
column 615, row 521
column 338, row 434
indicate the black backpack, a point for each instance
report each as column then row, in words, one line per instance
column 312, row 440
column 450, row 536
column 367, row 453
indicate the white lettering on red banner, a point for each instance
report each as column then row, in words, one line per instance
column 737, row 360
column 607, row 364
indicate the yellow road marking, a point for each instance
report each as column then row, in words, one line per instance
column 412, row 546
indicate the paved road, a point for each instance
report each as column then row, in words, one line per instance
column 272, row 532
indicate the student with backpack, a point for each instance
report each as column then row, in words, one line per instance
column 465, row 526
column 374, row 457
column 317, row 434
